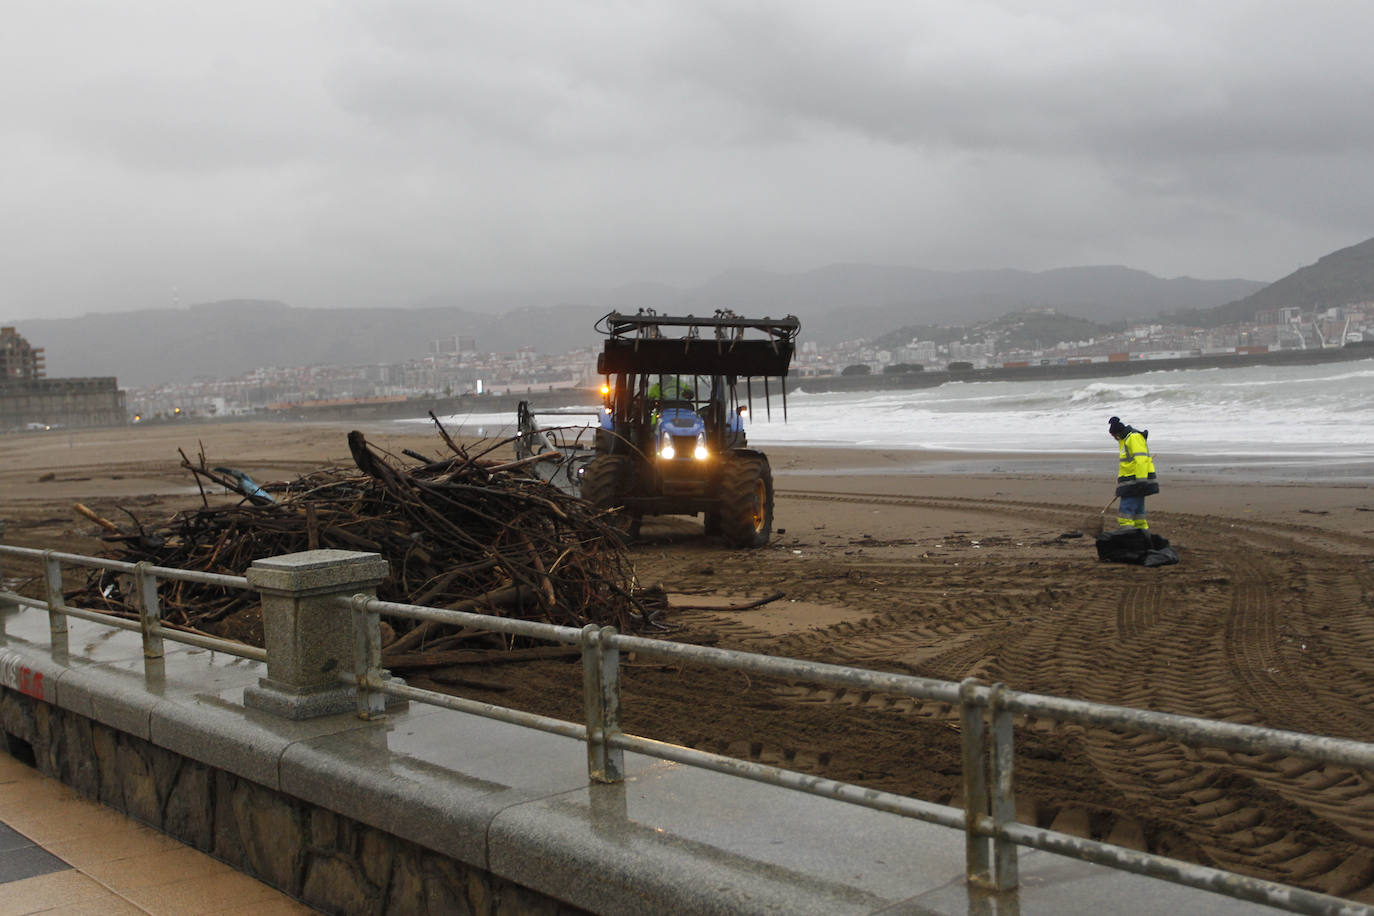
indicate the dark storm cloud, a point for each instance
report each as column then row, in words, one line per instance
column 352, row 153
column 1163, row 82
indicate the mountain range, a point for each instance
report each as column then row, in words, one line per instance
column 1340, row 278
column 842, row 301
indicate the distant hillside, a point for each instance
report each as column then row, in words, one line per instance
column 1019, row 330
column 846, row 301
column 839, row 302
column 1340, row 278
column 221, row 339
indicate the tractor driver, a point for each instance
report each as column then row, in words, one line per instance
column 670, row 388
column 667, row 388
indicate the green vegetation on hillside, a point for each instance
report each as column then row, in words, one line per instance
column 1020, row 330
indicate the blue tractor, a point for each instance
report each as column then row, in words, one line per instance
column 671, row 438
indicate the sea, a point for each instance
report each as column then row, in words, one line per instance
column 1274, row 422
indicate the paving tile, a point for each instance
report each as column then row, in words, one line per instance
column 29, row 792
column 12, row 770
column 201, row 895
column 24, row 809
column 12, row 839
column 27, row 861
column 113, row 864
column 63, row 819
column 62, row 888
column 109, row 905
column 21, row 785
column 282, row 906
column 152, row 869
column 134, row 839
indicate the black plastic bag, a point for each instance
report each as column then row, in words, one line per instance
column 1132, row 545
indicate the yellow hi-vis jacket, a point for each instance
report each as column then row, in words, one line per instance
column 671, row 388
column 1136, row 475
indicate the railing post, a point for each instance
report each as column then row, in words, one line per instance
column 977, row 854
column 149, row 610
column 613, row 757
column 308, row 631
column 367, row 658
column 7, row 606
column 57, row 621
column 589, row 641
column 1005, row 871
column 601, row 700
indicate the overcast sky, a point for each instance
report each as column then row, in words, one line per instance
column 361, row 152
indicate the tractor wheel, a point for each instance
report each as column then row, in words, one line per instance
column 605, row 479
column 711, row 523
column 746, row 502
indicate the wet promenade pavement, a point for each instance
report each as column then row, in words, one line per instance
column 64, row 854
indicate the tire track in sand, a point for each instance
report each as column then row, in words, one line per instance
column 1290, row 536
column 1224, row 646
column 1259, row 815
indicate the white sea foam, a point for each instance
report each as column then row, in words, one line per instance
column 1303, row 412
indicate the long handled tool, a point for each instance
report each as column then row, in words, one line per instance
column 1095, row 525
column 99, row 520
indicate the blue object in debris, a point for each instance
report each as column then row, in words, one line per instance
column 246, row 485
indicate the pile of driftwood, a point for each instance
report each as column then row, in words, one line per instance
column 462, row 532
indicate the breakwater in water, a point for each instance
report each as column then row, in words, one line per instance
column 487, row 404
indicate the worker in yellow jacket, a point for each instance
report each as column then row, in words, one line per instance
column 1135, row 477
column 671, row 388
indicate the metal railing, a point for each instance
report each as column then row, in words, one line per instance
column 149, row 622
column 992, row 833
column 986, row 715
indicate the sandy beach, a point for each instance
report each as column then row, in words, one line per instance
column 946, row 566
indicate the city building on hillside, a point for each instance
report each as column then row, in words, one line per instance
column 452, row 366
column 52, row 403
column 18, row 360
column 31, row 401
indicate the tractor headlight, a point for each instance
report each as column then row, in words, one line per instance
column 700, row 453
column 667, row 451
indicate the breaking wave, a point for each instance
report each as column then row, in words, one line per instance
column 1307, row 413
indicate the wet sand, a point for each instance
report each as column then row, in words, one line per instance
column 946, row 566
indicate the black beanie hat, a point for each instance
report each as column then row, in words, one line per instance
column 1116, row 427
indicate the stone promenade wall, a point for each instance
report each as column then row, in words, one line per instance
column 268, row 765
column 328, row 861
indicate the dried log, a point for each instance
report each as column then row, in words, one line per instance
column 511, row 596
column 442, row 678
column 420, row 660
column 526, row 462
column 465, row 532
column 747, row 606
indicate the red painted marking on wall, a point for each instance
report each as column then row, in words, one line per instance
column 31, row 682
column 21, row 677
